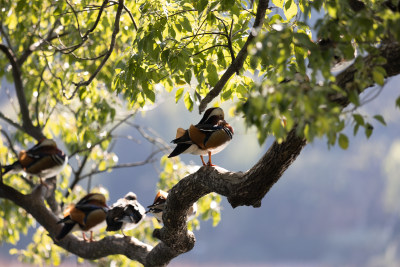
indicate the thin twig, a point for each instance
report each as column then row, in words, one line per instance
column 204, row 33
column 108, row 54
column 237, row 64
column 194, row 36
column 77, row 176
column 10, row 144
column 27, row 125
column 131, row 16
column 76, row 18
column 39, row 44
column 11, row 122
column 6, row 37
column 208, row 48
column 37, row 97
column 106, row 137
column 228, row 35
column 157, row 141
column 149, row 159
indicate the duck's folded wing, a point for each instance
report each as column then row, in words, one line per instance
column 217, row 138
column 207, row 135
column 77, row 216
column 43, row 163
column 198, row 135
column 183, row 138
column 94, row 217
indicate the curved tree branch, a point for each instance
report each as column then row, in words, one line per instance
column 240, row 188
column 110, row 245
column 247, row 188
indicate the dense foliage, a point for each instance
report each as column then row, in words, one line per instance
column 82, row 69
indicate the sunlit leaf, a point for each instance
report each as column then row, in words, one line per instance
column 178, row 94
column 343, row 141
column 188, row 101
column 290, row 9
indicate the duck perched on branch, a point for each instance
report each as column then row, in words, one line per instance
column 210, row 136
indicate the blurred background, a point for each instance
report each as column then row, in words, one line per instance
column 332, row 207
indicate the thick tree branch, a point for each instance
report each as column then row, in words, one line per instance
column 237, row 64
column 390, row 50
column 110, row 245
column 247, row 188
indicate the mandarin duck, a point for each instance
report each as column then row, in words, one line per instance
column 158, row 206
column 44, row 160
column 125, row 214
column 340, row 61
column 211, row 135
column 88, row 214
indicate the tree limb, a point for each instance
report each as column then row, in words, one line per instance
column 110, row 245
column 247, row 188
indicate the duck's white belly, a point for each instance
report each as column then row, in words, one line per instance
column 196, row 150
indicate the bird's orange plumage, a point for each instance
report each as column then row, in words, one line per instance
column 24, row 159
column 197, row 136
column 180, row 132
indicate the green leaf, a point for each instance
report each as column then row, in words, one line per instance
column 278, row 3
column 359, row 119
column 354, row 98
column 186, row 24
column 356, row 127
column 150, row 94
column 343, row 141
column 378, row 76
column 212, row 75
column 380, row 119
column 201, row 5
column 300, row 58
column 178, row 94
column 290, row 9
column 188, row 101
column 398, row 102
column 368, row 130
column 188, row 76
column 226, row 94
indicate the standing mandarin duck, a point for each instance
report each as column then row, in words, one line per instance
column 211, row 135
column 44, row 160
column 89, row 212
column 158, row 207
column 125, row 214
